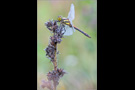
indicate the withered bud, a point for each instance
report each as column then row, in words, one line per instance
column 61, row 72
column 55, row 22
column 48, row 24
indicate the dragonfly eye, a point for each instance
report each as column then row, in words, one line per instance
column 59, row 18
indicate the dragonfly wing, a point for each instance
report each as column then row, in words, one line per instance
column 73, row 28
column 69, row 31
column 71, row 14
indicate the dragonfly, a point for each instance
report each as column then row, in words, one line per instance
column 69, row 27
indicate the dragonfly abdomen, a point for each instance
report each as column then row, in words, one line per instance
column 82, row 32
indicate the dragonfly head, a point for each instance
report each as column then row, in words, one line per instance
column 59, row 18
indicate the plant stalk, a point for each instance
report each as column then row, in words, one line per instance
column 55, row 58
column 55, row 63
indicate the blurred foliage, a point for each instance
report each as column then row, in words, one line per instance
column 78, row 54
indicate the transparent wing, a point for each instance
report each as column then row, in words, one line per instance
column 69, row 30
column 71, row 14
column 72, row 26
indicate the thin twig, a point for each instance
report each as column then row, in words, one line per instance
column 55, row 58
column 55, row 63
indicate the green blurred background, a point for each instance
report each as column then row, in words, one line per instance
column 78, row 54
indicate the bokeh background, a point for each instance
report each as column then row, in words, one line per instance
column 78, row 54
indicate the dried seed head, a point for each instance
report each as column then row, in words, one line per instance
column 50, row 52
column 53, row 26
column 55, row 39
column 56, row 75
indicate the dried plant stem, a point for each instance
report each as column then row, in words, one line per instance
column 55, row 59
column 55, row 63
column 51, row 52
column 55, row 88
